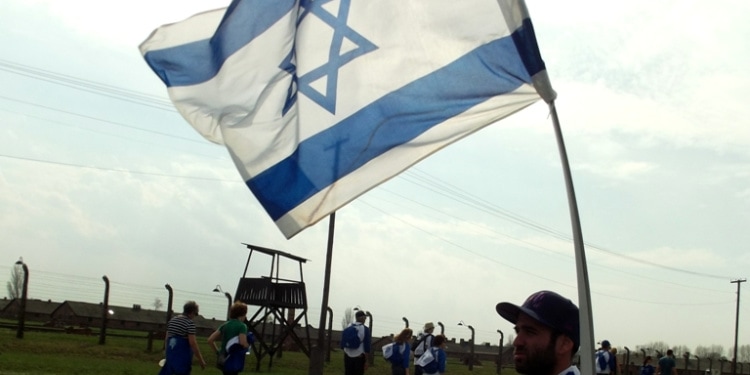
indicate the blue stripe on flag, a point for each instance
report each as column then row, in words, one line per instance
column 391, row 121
column 525, row 41
column 199, row 61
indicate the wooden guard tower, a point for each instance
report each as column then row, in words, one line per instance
column 282, row 303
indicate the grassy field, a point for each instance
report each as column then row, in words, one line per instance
column 68, row 354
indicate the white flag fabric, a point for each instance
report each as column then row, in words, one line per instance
column 320, row 101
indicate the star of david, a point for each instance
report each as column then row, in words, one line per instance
column 336, row 59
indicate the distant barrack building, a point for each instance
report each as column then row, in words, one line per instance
column 84, row 315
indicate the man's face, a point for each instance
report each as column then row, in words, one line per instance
column 534, row 347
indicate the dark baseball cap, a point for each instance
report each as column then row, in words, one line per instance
column 548, row 308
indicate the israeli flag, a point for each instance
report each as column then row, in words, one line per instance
column 319, row 101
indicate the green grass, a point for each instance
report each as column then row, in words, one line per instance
column 50, row 353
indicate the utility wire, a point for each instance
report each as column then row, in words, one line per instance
column 116, row 169
column 442, row 186
column 88, row 86
column 103, row 120
column 413, row 175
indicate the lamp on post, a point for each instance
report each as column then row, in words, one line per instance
column 500, row 353
column 406, row 322
column 229, row 298
column 442, row 328
column 471, row 358
column 24, row 297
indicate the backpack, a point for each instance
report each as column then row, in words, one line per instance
column 601, row 361
column 388, row 350
column 393, row 353
column 417, row 342
column 428, row 361
column 350, row 337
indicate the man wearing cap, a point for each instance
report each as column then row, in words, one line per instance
column 606, row 361
column 424, row 342
column 547, row 334
column 355, row 359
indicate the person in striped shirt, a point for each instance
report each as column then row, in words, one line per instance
column 180, row 343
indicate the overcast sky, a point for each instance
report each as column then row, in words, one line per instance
column 100, row 176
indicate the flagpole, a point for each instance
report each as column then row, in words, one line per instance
column 317, row 352
column 586, row 350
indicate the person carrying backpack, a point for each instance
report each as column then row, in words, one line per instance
column 424, row 342
column 400, row 352
column 436, row 366
column 232, row 340
column 606, row 361
column 647, row 368
column 355, row 340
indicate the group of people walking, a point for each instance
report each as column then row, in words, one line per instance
column 427, row 350
column 547, row 338
column 546, row 326
column 606, row 362
column 230, row 342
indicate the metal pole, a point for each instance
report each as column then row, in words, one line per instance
column 370, row 356
column 471, row 359
column 697, row 362
column 229, row 303
column 736, row 324
column 627, row 359
column 584, row 290
column 316, row 353
column 330, row 332
column 169, row 301
column 105, row 311
column 24, row 297
column 406, row 322
column 500, row 353
column 442, row 328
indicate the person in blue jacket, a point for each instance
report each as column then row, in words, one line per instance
column 648, row 368
column 355, row 359
column 438, row 352
column 401, row 353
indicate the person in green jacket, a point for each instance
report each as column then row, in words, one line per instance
column 234, row 340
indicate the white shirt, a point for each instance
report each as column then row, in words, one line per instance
column 572, row 370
